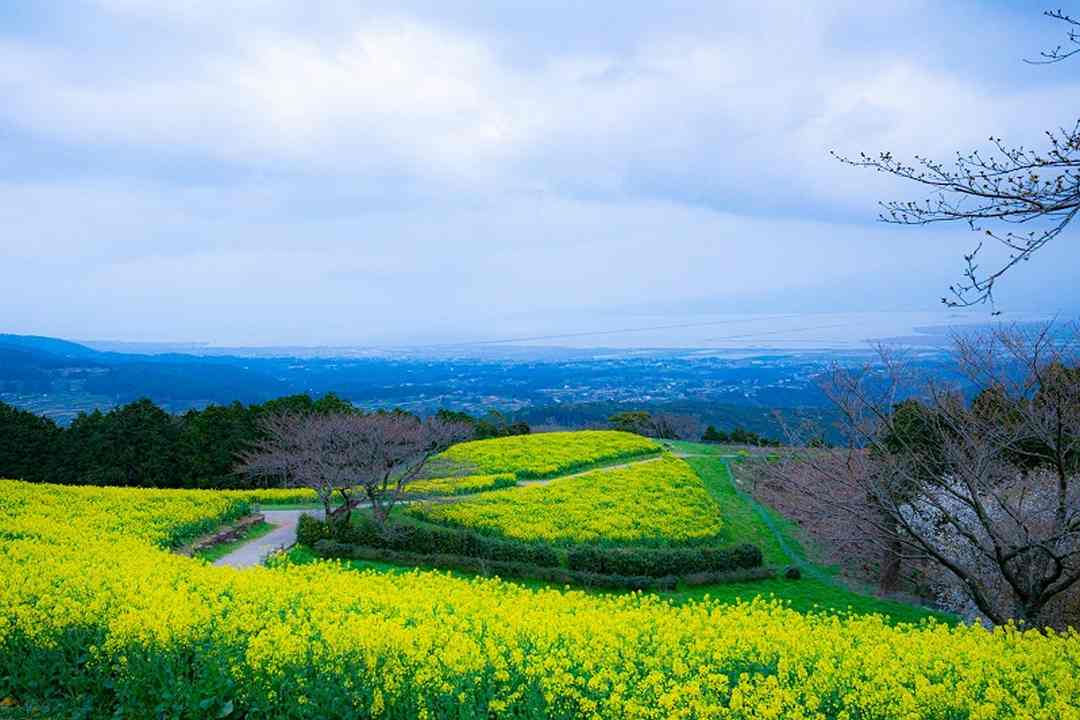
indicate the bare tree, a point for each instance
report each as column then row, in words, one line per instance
column 661, row 425
column 1010, row 186
column 676, row 426
column 985, row 494
column 375, row 455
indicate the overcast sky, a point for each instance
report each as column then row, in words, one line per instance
column 342, row 172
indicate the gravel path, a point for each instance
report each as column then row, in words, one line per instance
column 282, row 536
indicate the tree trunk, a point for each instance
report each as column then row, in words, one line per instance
column 1031, row 614
column 346, row 507
column 891, row 559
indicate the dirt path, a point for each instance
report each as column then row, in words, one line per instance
column 282, row 536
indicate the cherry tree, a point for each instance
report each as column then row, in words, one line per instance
column 357, row 457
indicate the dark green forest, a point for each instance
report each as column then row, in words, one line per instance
column 142, row 445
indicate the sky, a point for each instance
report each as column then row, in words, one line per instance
column 265, row 172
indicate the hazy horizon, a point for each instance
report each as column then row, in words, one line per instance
column 793, row 332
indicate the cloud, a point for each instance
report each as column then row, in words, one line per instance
column 401, row 94
column 387, row 159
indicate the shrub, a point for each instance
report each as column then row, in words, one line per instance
column 435, row 539
column 310, row 530
column 501, row 568
column 656, row 562
column 427, row 539
column 729, row 576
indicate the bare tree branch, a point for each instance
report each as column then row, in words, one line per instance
column 375, row 455
column 994, row 192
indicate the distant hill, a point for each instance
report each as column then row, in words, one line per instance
column 47, row 345
column 56, row 378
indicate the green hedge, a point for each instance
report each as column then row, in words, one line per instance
column 556, row 575
column 427, row 539
column 435, row 539
column 656, row 562
column 501, row 568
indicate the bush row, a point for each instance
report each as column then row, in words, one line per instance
column 428, row 539
column 510, row 569
column 656, row 562
column 432, row 539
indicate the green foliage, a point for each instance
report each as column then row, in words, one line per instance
column 658, row 562
column 501, row 568
column 417, row 537
column 738, row 436
column 310, row 530
column 29, row 445
column 1058, row 395
column 635, row 421
column 133, row 445
column 492, row 425
column 139, row 444
column 428, row 538
column 304, row 404
column 210, row 440
column 915, row 431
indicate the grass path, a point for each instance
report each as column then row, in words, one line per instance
column 794, row 557
column 579, row 473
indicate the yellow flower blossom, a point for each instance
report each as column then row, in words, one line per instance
column 94, row 606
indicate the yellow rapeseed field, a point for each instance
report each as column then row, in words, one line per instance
column 463, row 485
column 274, row 496
column 549, row 454
column 94, row 609
column 659, row 501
